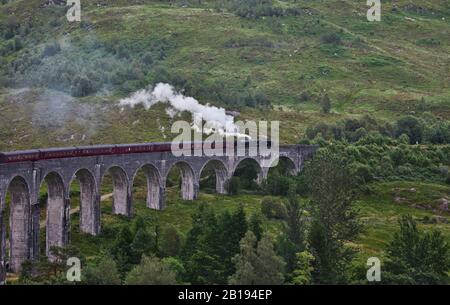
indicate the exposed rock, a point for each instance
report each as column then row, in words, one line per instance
column 399, row 199
column 416, row 9
column 422, row 206
column 443, row 204
column 439, row 219
column 54, row 2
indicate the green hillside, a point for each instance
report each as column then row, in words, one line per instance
column 385, row 69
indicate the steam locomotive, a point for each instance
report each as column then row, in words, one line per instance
column 97, row 150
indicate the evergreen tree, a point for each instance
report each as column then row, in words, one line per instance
column 171, row 241
column 138, row 224
column 245, row 262
column 203, row 222
column 211, row 244
column 334, row 218
column 121, row 250
column 302, row 274
column 270, row 266
column 292, row 241
column 204, row 268
column 231, row 229
column 234, row 230
column 142, row 244
column 255, row 225
column 199, row 253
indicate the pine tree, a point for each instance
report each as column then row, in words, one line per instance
column 270, row 266
column 211, row 244
column 199, row 253
column 234, row 231
column 245, row 262
column 143, row 244
column 255, row 225
column 334, row 218
column 292, row 241
column 204, row 268
column 231, row 229
column 138, row 224
column 121, row 249
column 171, row 241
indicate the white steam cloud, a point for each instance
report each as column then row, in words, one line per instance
column 216, row 117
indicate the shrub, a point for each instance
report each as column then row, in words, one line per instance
column 412, row 127
column 147, row 59
column 18, row 45
column 301, row 186
column 81, row 86
column 403, row 139
column 405, row 170
column 12, row 24
column 363, row 173
column 233, row 186
column 359, row 134
column 51, row 49
column 332, row 38
column 278, row 185
column 305, row 96
column 272, row 208
column 326, row 104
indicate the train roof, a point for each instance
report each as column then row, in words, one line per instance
column 23, row 152
column 56, row 149
column 79, row 147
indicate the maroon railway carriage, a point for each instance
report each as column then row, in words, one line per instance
column 86, row 151
column 19, row 156
column 97, row 150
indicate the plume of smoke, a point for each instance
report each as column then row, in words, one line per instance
column 216, row 117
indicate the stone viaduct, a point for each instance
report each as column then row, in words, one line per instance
column 22, row 181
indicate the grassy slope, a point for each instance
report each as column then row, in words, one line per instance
column 380, row 68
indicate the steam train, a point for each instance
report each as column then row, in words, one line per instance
column 97, row 150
